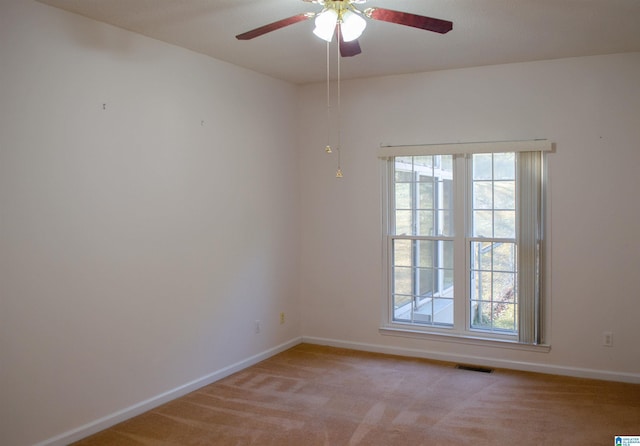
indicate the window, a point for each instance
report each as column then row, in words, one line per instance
column 463, row 232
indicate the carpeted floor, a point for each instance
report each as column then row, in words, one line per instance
column 314, row 395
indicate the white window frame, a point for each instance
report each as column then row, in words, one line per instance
column 531, row 334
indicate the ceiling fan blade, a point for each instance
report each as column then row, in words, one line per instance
column 349, row 49
column 274, row 26
column 405, row 18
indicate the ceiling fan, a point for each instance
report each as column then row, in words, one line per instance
column 341, row 17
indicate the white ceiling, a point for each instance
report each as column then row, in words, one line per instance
column 485, row 32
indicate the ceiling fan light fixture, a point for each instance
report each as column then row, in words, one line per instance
column 326, row 24
column 352, row 26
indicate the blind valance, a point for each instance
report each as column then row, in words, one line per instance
column 535, row 145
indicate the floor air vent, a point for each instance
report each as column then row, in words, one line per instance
column 474, row 368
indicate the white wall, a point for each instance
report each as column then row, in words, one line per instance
column 139, row 241
column 589, row 107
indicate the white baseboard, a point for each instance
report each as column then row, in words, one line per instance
column 144, row 406
column 482, row 361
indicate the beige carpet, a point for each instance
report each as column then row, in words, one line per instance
column 312, row 395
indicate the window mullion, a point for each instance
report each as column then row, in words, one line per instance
column 460, row 256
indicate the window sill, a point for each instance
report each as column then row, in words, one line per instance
column 407, row 332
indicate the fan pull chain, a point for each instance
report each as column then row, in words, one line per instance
column 328, row 147
column 338, row 147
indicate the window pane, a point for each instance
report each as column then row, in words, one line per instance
column 434, row 311
column 481, row 315
column 424, row 163
column 446, row 251
column 504, row 317
column 481, row 256
column 443, row 311
column 495, row 192
column 504, row 193
column 484, row 284
column 402, row 253
column 446, row 162
column 504, row 166
column 403, row 169
column 421, row 187
column 504, row 287
column 445, row 224
column 448, row 283
column 425, row 250
column 426, row 283
column 505, row 224
column 403, row 176
column 423, row 314
column 493, row 299
column 482, row 166
column 482, row 195
column 404, row 222
column 402, row 307
column 402, row 283
column 481, row 286
column 425, row 220
column 447, row 194
column 504, row 257
column 403, row 196
column 422, row 288
column 482, row 224
column 425, row 195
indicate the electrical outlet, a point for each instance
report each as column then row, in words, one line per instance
column 257, row 327
column 607, row 339
column 282, row 318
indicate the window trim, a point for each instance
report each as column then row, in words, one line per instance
column 395, row 328
column 415, row 333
